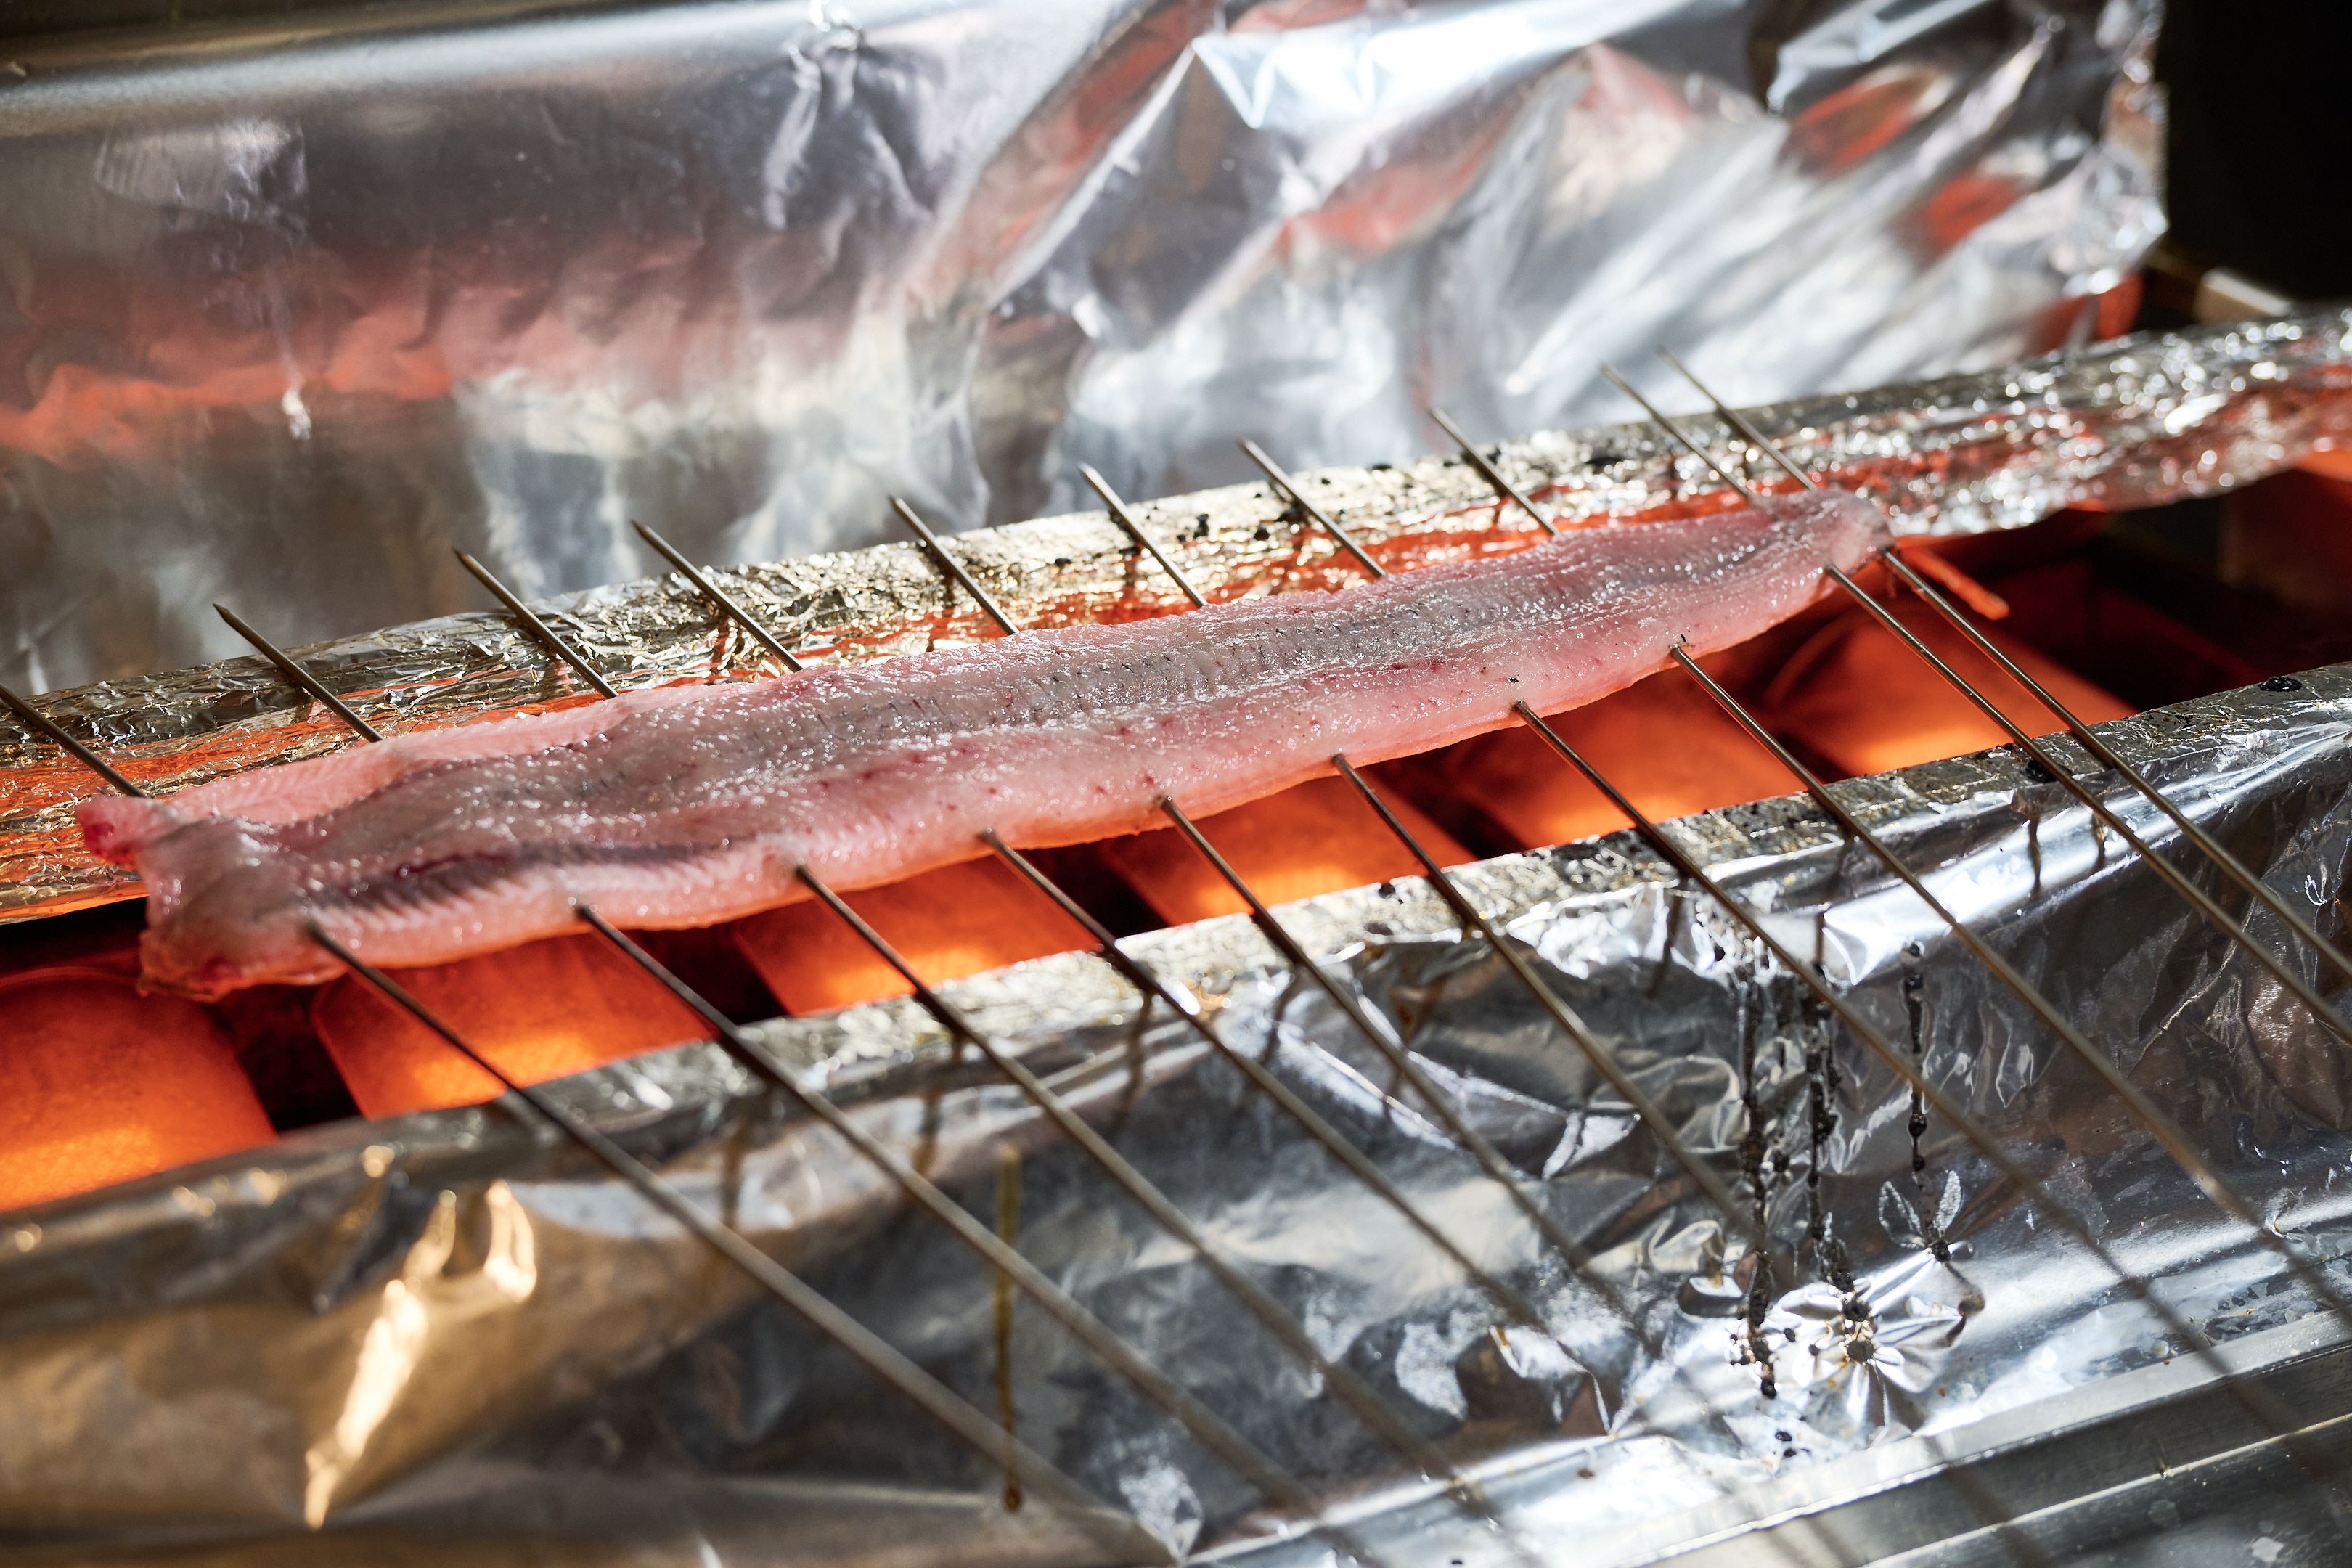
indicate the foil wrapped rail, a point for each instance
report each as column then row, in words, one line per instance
column 376, row 1340
column 2125, row 424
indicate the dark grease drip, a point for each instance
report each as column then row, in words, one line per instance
column 1008, row 1231
column 1751, row 1166
column 1913, row 985
column 1820, row 1119
column 2033, row 850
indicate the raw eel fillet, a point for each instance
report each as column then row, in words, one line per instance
column 692, row 805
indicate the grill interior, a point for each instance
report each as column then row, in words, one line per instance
column 2112, row 613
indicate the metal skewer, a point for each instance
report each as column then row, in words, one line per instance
column 869, row 1350
column 300, row 677
column 2175, row 1142
column 1440, row 1104
column 536, row 627
column 1263, row 1078
column 1652, row 1116
column 2084, row 735
column 2090, row 741
column 1211, row 1430
column 1290, row 487
column 1256, row 1072
column 1487, row 471
column 43, row 726
column 717, row 596
column 951, row 566
column 1352, row 1390
column 1345, row 1385
column 1707, row 1183
column 2196, row 897
column 1747, row 491
column 2258, row 1401
column 1134, row 529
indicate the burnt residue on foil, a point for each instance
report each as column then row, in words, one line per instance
column 377, row 1339
column 2128, row 423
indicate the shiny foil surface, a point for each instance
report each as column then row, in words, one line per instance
column 386, row 1342
column 289, row 306
column 2123, row 423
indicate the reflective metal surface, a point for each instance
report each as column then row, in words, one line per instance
column 412, row 1331
column 2124, row 424
column 291, row 307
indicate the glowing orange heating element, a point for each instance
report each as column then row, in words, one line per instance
column 956, row 920
column 1316, row 838
column 1864, row 702
column 1664, row 741
column 539, row 1011
column 100, row 1084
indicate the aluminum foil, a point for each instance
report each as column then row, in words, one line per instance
column 2124, row 424
column 384, row 1340
column 289, row 306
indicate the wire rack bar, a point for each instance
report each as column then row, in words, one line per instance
column 717, row 596
column 869, row 1350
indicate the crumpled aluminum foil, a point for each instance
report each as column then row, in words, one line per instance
column 2130, row 423
column 289, row 306
column 379, row 1340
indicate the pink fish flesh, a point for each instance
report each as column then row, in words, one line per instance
column 692, row 805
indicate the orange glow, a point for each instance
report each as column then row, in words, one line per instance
column 1663, row 740
column 99, row 1084
column 957, row 920
column 539, row 1011
column 1864, row 702
column 1317, row 838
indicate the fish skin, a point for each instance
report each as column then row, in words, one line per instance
column 688, row 806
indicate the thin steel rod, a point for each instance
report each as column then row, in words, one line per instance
column 2173, row 877
column 951, row 566
column 2258, row 1401
column 1205, row 1425
column 1448, row 1114
column 298, row 675
column 1693, row 447
column 869, row 1350
column 2090, row 741
column 1440, row 1104
column 1706, row 1180
column 1290, row 487
column 717, row 596
column 1739, row 422
column 2166, row 1131
column 536, row 627
column 47, row 730
column 1263, row 1078
column 1708, row 1183
column 1351, row 1389
column 1487, row 471
column 1134, row 529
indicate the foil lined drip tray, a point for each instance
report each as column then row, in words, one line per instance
column 386, row 1340
column 2123, row 423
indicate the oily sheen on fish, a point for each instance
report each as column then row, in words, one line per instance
column 693, row 805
